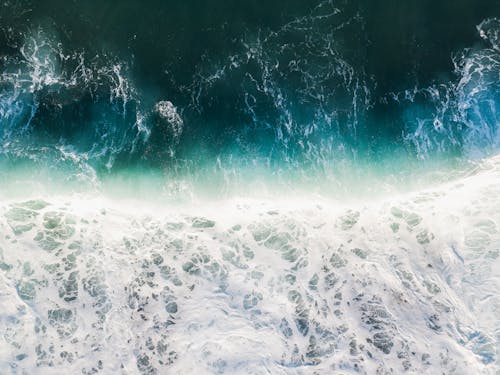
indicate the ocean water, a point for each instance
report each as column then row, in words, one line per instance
column 249, row 187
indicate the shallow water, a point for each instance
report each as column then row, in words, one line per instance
column 300, row 285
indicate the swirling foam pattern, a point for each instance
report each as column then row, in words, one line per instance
column 296, row 286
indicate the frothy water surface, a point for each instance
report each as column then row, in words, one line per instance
column 299, row 285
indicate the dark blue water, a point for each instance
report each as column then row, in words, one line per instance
column 308, row 90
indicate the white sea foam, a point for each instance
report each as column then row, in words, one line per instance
column 291, row 285
column 464, row 112
column 45, row 74
column 168, row 112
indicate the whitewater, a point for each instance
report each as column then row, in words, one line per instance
column 305, row 284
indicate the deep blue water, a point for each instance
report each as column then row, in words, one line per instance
column 311, row 90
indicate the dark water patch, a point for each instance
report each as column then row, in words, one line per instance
column 297, row 91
